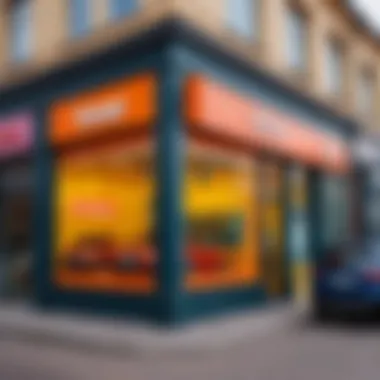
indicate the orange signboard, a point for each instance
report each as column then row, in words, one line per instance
column 126, row 104
column 214, row 109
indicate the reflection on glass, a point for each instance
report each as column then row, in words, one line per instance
column 272, row 228
column 220, row 209
column 105, row 219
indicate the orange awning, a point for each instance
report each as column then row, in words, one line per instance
column 216, row 110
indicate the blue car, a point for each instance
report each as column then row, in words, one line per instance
column 348, row 281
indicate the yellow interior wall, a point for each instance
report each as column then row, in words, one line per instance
column 107, row 179
column 228, row 189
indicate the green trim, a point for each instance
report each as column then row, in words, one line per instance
column 170, row 137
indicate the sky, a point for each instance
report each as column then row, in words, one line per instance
column 371, row 10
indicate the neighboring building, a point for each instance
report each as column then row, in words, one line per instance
column 248, row 106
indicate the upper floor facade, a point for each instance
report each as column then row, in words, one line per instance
column 320, row 47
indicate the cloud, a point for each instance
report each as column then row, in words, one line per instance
column 370, row 9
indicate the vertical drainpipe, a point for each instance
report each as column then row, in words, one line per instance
column 170, row 159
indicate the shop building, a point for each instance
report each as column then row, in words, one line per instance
column 175, row 181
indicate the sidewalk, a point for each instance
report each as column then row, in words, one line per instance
column 105, row 334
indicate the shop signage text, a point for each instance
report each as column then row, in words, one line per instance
column 216, row 110
column 126, row 104
column 97, row 115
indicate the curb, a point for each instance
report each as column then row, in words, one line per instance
column 108, row 336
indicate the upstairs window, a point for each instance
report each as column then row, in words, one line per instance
column 366, row 93
column 243, row 17
column 20, row 19
column 123, row 8
column 79, row 17
column 296, row 39
column 334, row 67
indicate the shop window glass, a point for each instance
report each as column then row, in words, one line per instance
column 105, row 220
column 220, row 208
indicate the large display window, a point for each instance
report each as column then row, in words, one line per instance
column 272, row 227
column 105, row 219
column 221, row 229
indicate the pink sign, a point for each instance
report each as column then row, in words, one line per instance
column 16, row 135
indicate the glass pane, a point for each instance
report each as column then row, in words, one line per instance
column 296, row 39
column 334, row 67
column 105, row 219
column 20, row 16
column 220, row 208
column 243, row 17
column 122, row 8
column 79, row 16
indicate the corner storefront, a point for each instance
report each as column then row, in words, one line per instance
column 174, row 183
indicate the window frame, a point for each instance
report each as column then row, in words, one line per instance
column 334, row 48
column 296, row 13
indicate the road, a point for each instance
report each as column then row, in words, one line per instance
column 302, row 352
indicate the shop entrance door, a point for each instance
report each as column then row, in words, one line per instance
column 16, row 233
column 272, row 229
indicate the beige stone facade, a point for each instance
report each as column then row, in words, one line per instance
column 53, row 46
